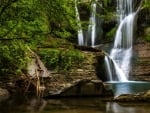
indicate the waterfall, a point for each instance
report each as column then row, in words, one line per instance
column 80, row 32
column 121, row 53
column 94, row 29
column 92, row 26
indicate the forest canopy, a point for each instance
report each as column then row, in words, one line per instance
column 25, row 23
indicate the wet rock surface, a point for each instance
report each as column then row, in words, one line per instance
column 141, row 63
column 80, row 88
column 139, row 97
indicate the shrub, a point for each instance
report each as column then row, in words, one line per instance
column 57, row 59
column 13, row 57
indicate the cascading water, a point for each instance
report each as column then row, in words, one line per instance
column 118, row 63
column 80, row 32
column 92, row 26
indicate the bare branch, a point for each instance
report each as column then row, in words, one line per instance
column 139, row 8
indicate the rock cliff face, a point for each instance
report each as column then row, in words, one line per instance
column 141, row 60
column 81, row 80
column 141, row 63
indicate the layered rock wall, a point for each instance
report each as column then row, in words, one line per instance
column 141, row 63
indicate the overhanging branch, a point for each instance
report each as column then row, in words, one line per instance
column 139, row 8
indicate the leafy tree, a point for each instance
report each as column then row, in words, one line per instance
column 61, row 16
column 27, row 22
column 19, row 18
column 13, row 58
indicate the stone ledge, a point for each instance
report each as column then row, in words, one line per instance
column 139, row 97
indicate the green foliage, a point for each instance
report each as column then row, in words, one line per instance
column 57, row 59
column 146, row 4
column 60, row 15
column 63, row 34
column 147, row 34
column 21, row 19
column 35, row 18
column 106, row 2
column 147, row 38
column 33, row 21
column 108, row 16
column 13, row 57
column 111, row 33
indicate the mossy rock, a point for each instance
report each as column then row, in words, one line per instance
column 147, row 34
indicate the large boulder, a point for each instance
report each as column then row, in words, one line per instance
column 143, row 96
column 81, row 88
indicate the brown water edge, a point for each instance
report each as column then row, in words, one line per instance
column 31, row 104
column 20, row 104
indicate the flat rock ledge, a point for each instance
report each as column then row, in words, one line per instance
column 139, row 97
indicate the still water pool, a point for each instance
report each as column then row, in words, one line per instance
column 21, row 104
column 130, row 87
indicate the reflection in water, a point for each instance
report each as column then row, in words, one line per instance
column 116, row 108
column 122, row 88
column 127, row 108
column 37, row 105
column 70, row 105
column 21, row 104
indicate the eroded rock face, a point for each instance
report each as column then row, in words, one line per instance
column 144, row 97
column 141, row 63
column 82, row 80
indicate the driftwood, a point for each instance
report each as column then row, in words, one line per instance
column 35, row 79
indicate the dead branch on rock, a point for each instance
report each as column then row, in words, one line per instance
column 36, row 77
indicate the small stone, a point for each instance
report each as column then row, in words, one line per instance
column 4, row 94
column 80, row 70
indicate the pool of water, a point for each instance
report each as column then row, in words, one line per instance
column 130, row 87
column 22, row 104
column 70, row 105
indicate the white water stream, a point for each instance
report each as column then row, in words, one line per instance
column 92, row 25
column 80, row 32
column 118, row 63
column 90, row 38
